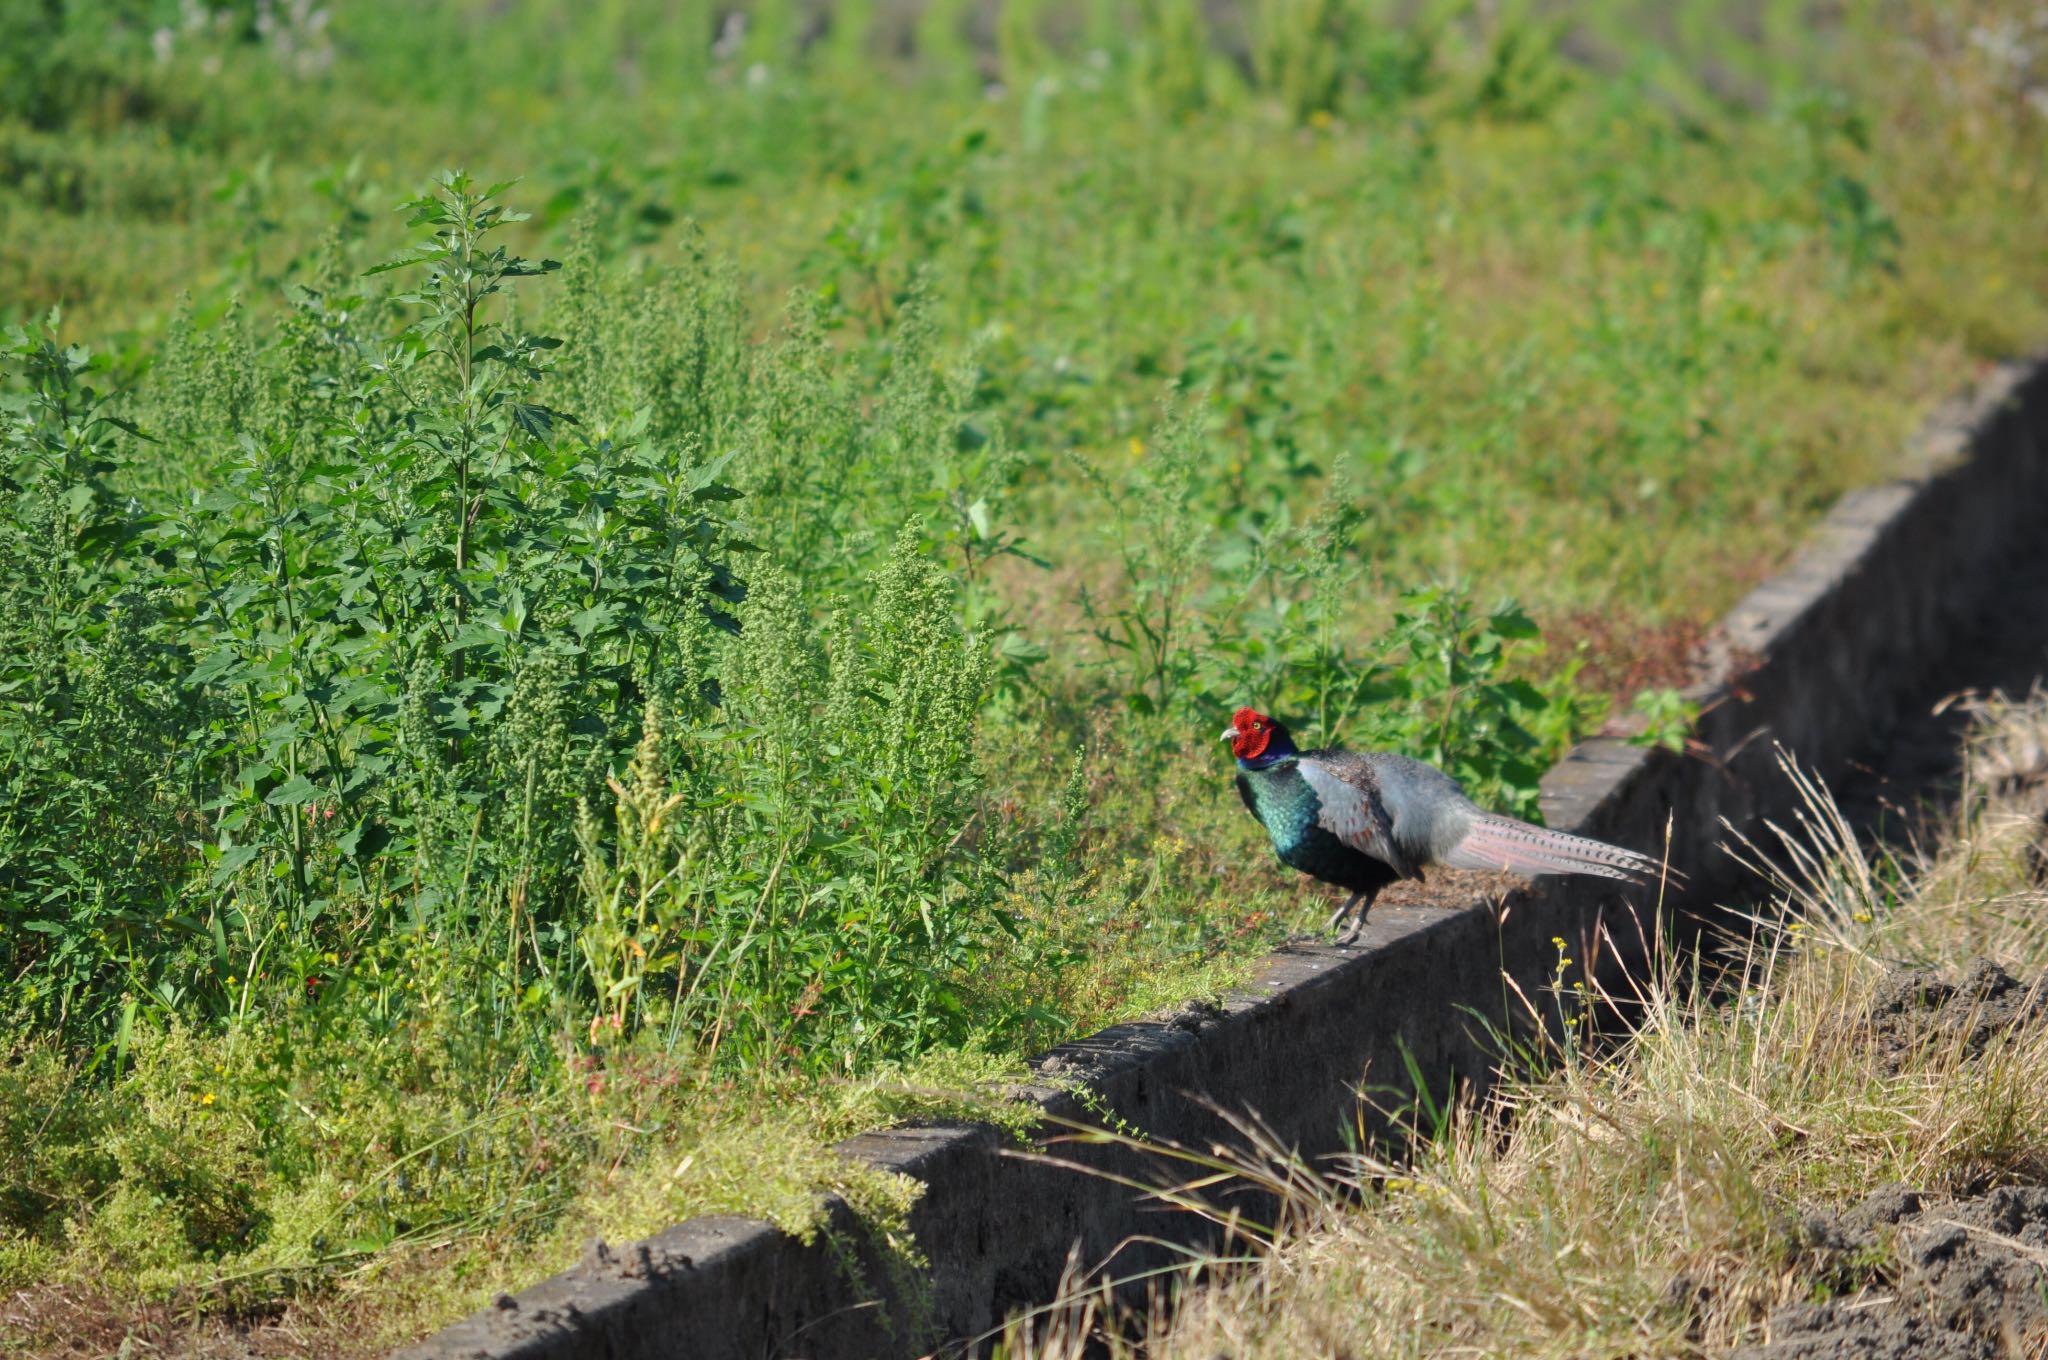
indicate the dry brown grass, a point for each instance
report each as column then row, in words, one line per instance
column 1649, row 1199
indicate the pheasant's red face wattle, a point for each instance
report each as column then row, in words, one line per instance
column 1253, row 731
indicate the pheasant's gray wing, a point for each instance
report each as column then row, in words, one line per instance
column 1351, row 808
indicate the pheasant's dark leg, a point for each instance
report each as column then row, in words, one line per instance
column 1343, row 911
column 1358, row 921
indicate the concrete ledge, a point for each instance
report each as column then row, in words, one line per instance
column 1816, row 660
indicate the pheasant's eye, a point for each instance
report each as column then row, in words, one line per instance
column 1258, row 727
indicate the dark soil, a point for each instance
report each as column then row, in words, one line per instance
column 1904, row 1274
column 1962, row 1278
column 1916, row 1009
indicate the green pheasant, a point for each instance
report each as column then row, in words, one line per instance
column 1362, row 820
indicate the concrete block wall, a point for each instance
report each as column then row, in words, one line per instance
column 1816, row 661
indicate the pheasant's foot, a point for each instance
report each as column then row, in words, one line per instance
column 1337, row 917
column 1357, row 926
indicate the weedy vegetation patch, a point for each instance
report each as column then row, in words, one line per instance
column 529, row 715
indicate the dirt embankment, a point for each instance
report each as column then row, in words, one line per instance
column 1906, row 1274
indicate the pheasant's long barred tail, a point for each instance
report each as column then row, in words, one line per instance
column 1504, row 843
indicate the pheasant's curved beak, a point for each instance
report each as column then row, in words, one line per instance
column 1229, row 734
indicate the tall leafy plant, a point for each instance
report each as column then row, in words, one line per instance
column 416, row 615
column 88, row 724
column 796, row 877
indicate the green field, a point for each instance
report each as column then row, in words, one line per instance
column 497, row 751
